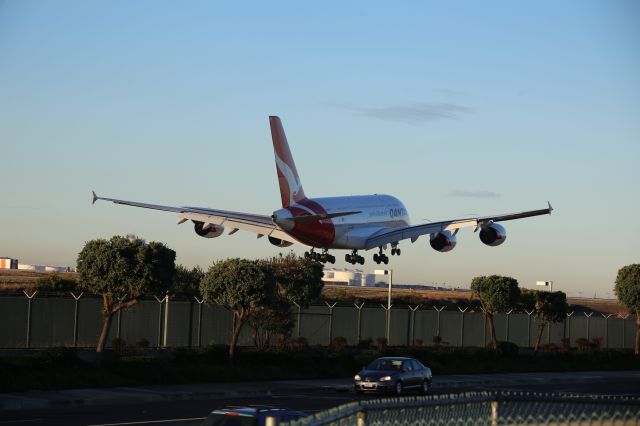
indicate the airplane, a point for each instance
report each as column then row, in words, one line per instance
column 354, row 223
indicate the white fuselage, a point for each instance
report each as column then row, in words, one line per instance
column 377, row 213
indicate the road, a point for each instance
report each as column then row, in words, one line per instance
column 191, row 412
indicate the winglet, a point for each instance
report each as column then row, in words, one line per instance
column 550, row 208
column 95, row 197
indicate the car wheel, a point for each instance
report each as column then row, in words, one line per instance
column 398, row 387
column 425, row 387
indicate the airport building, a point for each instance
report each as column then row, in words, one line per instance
column 8, row 263
column 348, row 277
column 11, row 263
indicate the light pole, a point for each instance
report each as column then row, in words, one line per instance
column 390, row 273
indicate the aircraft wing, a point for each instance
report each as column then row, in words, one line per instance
column 258, row 224
column 394, row 235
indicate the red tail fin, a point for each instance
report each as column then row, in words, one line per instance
column 290, row 186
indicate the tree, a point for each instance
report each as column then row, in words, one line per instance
column 627, row 290
column 122, row 270
column 496, row 293
column 270, row 321
column 54, row 283
column 299, row 280
column 240, row 286
column 187, row 281
column 527, row 299
column 550, row 307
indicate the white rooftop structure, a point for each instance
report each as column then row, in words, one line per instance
column 348, row 277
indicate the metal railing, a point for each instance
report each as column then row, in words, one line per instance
column 483, row 408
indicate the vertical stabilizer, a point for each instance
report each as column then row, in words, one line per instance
column 291, row 190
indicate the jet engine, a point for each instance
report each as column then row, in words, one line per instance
column 443, row 241
column 278, row 242
column 493, row 235
column 207, row 230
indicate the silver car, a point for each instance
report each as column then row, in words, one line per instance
column 394, row 374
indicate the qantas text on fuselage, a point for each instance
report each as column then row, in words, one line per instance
column 352, row 223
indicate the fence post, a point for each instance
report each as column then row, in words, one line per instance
column 484, row 327
column 508, row 315
column 200, row 302
column 494, row 413
column 588, row 323
column 462, row 311
column 388, row 331
column 413, row 323
column 119, row 323
column 359, row 308
column 569, row 315
column 299, row 319
column 30, row 298
column 165, row 337
column 624, row 323
column 529, row 326
column 331, row 306
column 438, row 319
column 606, row 329
column 75, row 318
column 160, row 302
column 361, row 418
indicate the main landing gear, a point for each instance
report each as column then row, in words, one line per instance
column 383, row 258
column 323, row 257
column 354, row 258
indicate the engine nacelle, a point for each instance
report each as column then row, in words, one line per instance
column 278, row 242
column 207, row 230
column 443, row 241
column 493, row 235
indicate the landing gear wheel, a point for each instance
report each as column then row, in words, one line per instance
column 306, row 255
column 398, row 388
column 385, row 260
column 397, row 252
column 425, row 387
column 376, row 258
column 347, row 258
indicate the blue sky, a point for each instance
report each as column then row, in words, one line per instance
column 456, row 108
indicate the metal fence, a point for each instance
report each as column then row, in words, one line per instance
column 483, row 408
column 36, row 321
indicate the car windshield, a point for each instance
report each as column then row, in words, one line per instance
column 386, row 365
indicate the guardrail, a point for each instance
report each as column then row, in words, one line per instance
column 483, row 408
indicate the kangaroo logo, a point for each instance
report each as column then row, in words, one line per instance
column 292, row 180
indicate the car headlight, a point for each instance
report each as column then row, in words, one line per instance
column 385, row 378
column 357, row 377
